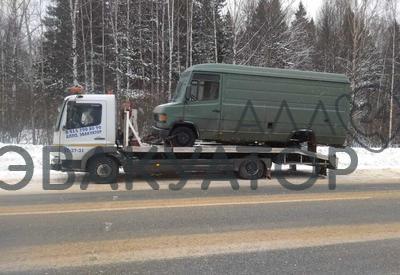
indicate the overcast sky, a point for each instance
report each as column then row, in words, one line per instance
column 312, row 6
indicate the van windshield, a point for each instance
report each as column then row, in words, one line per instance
column 180, row 88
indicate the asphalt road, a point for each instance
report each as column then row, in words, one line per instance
column 354, row 229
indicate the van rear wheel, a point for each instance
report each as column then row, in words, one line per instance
column 183, row 137
column 251, row 169
column 103, row 170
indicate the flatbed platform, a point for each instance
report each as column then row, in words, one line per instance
column 290, row 156
column 249, row 161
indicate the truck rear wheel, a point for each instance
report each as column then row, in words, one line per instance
column 183, row 137
column 103, row 170
column 251, row 169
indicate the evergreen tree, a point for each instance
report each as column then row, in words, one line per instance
column 207, row 31
column 57, row 62
column 268, row 35
column 227, row 39
column 327, row 40
column 302, row 36
column 57, row 48
column 138, row 48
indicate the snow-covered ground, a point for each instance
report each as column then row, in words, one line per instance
column 35, row 151
column 388, row 159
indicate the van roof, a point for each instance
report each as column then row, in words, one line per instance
column 270, row 72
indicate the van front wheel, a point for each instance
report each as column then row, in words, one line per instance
column 183, row 137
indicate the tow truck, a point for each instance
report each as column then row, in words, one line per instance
column 91, row 136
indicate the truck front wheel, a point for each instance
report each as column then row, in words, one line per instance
column 103, row 170
column 183, row 137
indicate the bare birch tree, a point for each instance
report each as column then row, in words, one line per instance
column 30, row 70
column 115, row 29
column 214, row 17
column 73, row 4
column 171, row 28
column 189, row 18
column 103, row 46
column 92, row 80
column 85, row 63
column 393, row 7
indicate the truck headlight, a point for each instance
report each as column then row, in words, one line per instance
column 162, row 118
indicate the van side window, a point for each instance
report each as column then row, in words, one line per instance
column 204, row 87
column 81, row 115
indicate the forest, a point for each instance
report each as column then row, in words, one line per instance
column 138, row 48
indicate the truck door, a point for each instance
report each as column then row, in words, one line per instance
column 83, row 127
column 203, row 106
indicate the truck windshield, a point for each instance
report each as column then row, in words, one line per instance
column 60, row 110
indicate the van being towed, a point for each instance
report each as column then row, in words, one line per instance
column 234, row 104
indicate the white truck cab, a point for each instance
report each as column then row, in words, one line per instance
column 85, row 122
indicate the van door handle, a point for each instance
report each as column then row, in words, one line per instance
column 216, row 111
column 99, row 138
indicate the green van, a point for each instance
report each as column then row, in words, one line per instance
column 233, row 104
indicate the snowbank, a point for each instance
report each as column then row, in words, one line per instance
column 388, row 159
column 35, row 151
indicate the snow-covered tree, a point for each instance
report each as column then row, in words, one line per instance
column 138, row 48
column 267, row 35
column 302, row 41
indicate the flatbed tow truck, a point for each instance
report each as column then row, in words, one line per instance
column 86, row 134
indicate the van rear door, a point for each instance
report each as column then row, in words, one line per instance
column 203, row 106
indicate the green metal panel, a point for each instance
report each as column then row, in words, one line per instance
column 270, row 109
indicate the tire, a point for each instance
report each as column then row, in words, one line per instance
column 183, row 137
column 103, row 170
column 251, row 169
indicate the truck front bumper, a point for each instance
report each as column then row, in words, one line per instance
column 66, row 165
column 161, row 132
column 55, row 167
column 56, row 164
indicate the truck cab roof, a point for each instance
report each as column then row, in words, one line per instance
column 105, row 97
